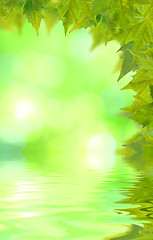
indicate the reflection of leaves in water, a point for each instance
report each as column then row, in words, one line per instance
column 131, row 234
column 141, row 195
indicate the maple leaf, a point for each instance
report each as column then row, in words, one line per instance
column 144, row 116
column 128, row 64
column 69, row 12
column 142, row 97
column 141, row 30
column 75, row 11
column 142, row 80
column 11, row 6
column 33, row 11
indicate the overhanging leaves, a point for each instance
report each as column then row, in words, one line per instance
column 128, row 64
column 33, row 11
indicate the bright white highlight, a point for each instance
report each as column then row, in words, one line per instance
column 29, row 115
column 24, row 109
column 101, row 152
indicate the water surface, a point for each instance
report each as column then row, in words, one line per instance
column 38, row 201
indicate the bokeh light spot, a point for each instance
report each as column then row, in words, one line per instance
column 101, row 151
column 24, row 109
column 29, row 115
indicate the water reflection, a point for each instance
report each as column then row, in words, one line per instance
column 140, row 196
column 61, row 203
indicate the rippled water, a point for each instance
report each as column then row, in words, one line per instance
column 39, row 202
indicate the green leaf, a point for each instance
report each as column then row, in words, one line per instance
column 75, row 12
column 141, row 30
column 128, row 64
column 144, row 116
column 142, row 80
column 33, row 11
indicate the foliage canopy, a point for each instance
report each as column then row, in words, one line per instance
column 128, row 21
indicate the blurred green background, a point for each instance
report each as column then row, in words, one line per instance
column 60, row 125
column 59, row 99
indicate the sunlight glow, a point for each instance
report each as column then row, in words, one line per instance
column 29, row 115
column 24, row 109
column 101, row 151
